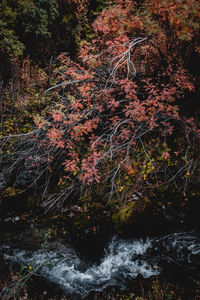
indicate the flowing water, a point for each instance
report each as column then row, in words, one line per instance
column 123, row 260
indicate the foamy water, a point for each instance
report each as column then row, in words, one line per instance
column 123, row 260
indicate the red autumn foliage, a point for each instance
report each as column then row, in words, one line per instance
column 125, row 92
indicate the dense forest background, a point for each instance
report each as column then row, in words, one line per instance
column 99, row 115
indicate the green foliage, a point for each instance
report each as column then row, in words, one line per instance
column 124, row 214
column 9, row 41
column 7, row 14
column 42, row 28
column 36, row 17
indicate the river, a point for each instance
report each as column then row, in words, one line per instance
column 122, row 261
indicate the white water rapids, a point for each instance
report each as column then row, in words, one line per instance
column 123, row 260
